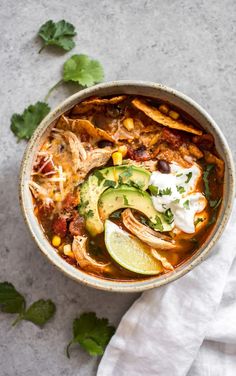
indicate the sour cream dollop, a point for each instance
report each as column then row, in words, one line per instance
column 178, row 192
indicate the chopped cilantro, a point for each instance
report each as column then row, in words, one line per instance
column 89, row 214
column 154, row 190
column 215, row 203
column 109, row 183
column 180, row 189
column 165, row 192
column 189, row 176
column 168, row 216
column 186, row 204
column 205, row 178
column 126, row 202
column 99, row 176
column 157, row 225
column 199, row 220
column 176, row 201
column 178, row 175
column 127, row 173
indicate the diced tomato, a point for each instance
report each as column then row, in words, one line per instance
column 59, row 226
column 172, row 138
column 69, row 202
column 205, row 142
column 76, row 226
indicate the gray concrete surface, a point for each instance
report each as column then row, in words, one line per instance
column 186, row 44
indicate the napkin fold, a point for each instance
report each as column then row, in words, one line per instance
column 187, row 327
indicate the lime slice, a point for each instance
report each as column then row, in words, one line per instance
column 130, row 252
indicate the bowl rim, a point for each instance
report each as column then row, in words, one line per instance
column 77, row 274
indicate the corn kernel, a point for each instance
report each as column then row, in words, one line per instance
column 174, row 115
column 56, row 241
column 123, row 150
column 164, row 108
column 117, row 158
column 154, row 139
column 67, row 249
column 57, row 197
column 128, row 124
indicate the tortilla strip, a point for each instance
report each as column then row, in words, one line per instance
column 77, row 125
column 90, row 103
column 162, row 119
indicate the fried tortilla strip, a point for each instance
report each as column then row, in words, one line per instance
column 87, row 105
column 76, row 125
column 162, row 119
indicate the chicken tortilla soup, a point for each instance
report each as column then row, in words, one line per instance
column 126, row 187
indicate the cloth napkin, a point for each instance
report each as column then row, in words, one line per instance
column 187, row 327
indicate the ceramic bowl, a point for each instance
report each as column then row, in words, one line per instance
column 136, row 88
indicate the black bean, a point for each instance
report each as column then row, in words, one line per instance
column 104, row 143
column 163, row 166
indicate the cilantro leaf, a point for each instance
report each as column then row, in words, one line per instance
column 199, row 220
column 165, row 192
column 180, row 189
column 11, row 301
column 205, row 178
column 40, row 312
column 127, row 173
column 59, row 34
column 168, row 216
column 83, row 70
column 109, row 183
column 23, row 125
column 153, row 189
column 99, row 176
column 158, row 226
column 91, row 333
column 189, row 176
column 215, row 203
column 186, row 205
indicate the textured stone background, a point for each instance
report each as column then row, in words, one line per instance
column 189, row 45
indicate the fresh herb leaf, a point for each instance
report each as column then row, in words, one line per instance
column 59, row 34
column 127, row 173
column 91, row 333
column 199, row 220
column 176, row 201
column 165, row 192
column 180, row 189
column 178, row 175
column 81, row 70
column 89, row 214
column 205, row 178
column 82, row 207
column 215, row 203
column 186, row 205
column 126, row 202
column 154, row 190
column 189, row 176
column 109, row 183
column 40, row 312
column 99, row 176
column 158, row 226
column 11, row 301
column 23, row 125
column 168, row 216
column 116, row 214
column 138, row 185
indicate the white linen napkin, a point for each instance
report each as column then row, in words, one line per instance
column 163, row 331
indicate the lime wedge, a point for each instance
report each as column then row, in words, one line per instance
column 130, row 252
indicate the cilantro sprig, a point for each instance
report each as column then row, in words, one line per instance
column 11, row 301
column 91, row 333
column 58, row 34
column 23, row 125
column 206, row 174
column 82, row 70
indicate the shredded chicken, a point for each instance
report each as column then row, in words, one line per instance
column 77, row 150
column 95, row 158
column 40, row 193
column 146, row 234
column 79, row 248
column 165, row 263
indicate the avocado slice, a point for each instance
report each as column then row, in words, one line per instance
column 100, row 181
column 129, row 197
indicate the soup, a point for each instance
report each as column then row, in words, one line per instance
column 126, row 187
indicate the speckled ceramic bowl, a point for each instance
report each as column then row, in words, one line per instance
column 137, row 88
